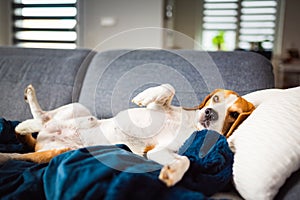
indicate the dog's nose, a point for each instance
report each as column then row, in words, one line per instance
column 211, row 114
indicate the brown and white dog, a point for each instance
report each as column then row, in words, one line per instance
column 158, row 130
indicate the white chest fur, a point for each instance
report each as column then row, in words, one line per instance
column 142, row 127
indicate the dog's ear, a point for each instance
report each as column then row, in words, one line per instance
column 204, row 102
column 242, row 116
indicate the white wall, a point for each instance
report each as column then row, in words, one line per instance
column 187, row 20
column 291, row 27
column 4, row 22
column 128, row 15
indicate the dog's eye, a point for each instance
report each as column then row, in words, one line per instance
column 234, row 114
column 216, row 98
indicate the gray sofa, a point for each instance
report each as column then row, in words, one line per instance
column 105, row 82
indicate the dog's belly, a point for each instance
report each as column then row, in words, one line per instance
column 143, row 129
column 63, row 138
column 140, row 129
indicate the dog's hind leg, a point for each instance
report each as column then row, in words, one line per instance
column 35, row 108
column 37, row 157
column 29, row 126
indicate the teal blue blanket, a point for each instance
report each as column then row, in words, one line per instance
column 92, row 173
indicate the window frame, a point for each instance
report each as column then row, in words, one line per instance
column 15, row 29
column 276, row 29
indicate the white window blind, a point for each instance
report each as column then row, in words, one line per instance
column 241, row 23
column 45, row 23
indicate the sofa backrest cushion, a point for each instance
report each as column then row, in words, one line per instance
column 56, row 75
column 115, row 77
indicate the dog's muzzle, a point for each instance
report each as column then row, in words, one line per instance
column 209, row 115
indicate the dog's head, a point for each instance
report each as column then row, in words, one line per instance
column 223, row 111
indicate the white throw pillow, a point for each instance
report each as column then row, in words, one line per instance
column 267, row 143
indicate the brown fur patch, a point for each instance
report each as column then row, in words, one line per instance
column 241, row 106
column 148, row 148
column 43, row 156
column 27, row 140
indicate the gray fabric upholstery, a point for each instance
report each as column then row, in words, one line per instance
column 291, row 189
column 115, row 77
column 56, row 74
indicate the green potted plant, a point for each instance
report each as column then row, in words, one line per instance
column 219, row 40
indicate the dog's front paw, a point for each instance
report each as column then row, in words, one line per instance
column 173, row 173
column 162, row 95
